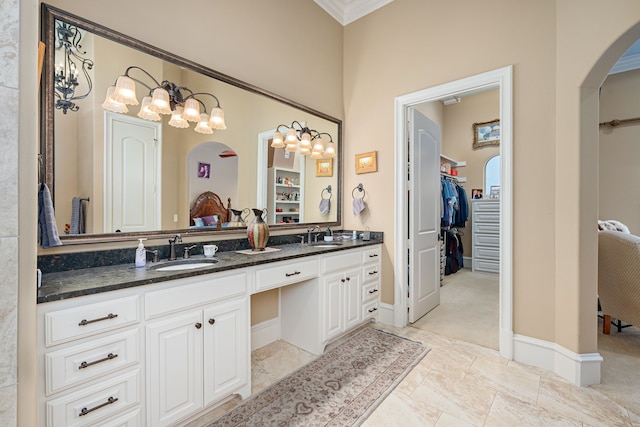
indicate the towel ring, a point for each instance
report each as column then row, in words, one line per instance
column 328, row 190
column 360, row 188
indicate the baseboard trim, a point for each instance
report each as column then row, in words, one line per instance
column 265, row 333
column 385, row 314
column 580, row 369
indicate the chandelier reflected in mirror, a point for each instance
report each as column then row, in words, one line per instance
column 165, row 98
column 304, row 140
column 66, row 81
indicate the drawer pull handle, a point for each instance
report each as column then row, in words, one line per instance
column 95, row 362
column 373, row 291
column 109, row 401
column 371, row 273
column 373, row 255
column 198, row 325
column 292, row 274
column 212, row 321
column 371, row 310
column 84, row 322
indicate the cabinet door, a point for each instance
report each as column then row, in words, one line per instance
column 174, row 367
column 352, row 299
column 226, row 348
column 332, row 318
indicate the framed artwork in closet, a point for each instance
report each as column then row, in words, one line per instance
column 486, row 133
column 476, row 193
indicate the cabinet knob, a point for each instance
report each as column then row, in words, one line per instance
column 342, row 280
column 348, row 279
column 198, row 325
column 212, row 321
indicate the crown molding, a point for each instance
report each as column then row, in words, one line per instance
column 347, row 11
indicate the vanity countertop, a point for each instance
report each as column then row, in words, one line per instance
column 76, row 283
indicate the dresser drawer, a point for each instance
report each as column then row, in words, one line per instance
column 78, row 322
column 215, row 287
column 486, row 265
column 91, row 404
column 285, row 273
column 370, row 273
column 486, row 253
column 83, row 362
column 370, row 292
column 486, row 240
column 486, row 206
column 341, row 261
column 486, row 217
column 371, row 254
column 486, row 227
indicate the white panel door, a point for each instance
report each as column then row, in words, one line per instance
column 424, row 215
column 352, row 299
column 174, row 367
column 226, row 349
column 132, row 193
column 332, row 319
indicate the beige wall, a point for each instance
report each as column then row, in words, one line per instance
column 619, row 154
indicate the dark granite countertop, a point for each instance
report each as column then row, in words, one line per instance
column 87, row 281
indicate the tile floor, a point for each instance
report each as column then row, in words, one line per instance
column 460, row 384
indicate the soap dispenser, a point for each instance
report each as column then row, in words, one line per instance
column 328, row 235
column 141, row 255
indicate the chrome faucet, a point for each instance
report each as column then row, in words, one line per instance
column 311, row 230
column 172, row 247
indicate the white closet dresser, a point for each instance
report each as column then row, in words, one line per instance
column 485, row 217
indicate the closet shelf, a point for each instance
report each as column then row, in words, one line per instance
column 454, row 163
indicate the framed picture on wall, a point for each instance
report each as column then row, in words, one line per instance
column 486, row 133
column 204, row 170
column 324, row 167
column 366, row 162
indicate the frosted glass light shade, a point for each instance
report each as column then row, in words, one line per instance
column 305, row 142
column 203, row 125
column 216, row 121
column 316, row 155
column 191, row 110
column 330, row 150
column 110, row 104
column 160, row 102
column 318, row 146
column 125, row 91
column 292, row 137
column 305, row 151
column 278, row 140
column 291, row 147
column 146, row 113
column 176, row 119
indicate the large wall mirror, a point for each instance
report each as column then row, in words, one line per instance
column 153, row 186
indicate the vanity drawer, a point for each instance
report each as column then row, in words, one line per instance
column 370, row 292
column 99, row 401
column 370, row 310
column 78, row 322
column 371, row 273
column 340, row 261
column 192, row 294
column 83, row 362
column 371, row 254
column 285, row 273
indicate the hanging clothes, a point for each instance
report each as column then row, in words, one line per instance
column 449, row 202
column 462, row 213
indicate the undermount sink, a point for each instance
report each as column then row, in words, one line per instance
column 326, row 244
column 184, row 265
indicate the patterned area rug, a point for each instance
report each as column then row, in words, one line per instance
column 340, row 388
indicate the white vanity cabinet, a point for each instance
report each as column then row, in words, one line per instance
column 341, row 299
column 199, row 352
column 90, row 351
column 370, row 283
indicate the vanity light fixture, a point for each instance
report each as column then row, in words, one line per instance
column 165, row 98
column 304, row 140
column 66, row 82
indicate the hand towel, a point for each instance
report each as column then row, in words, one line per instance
column 358, row 206
column 47, row 229
column 77, row 216
column 325, row 206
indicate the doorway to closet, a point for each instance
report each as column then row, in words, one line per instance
column 499, row 80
